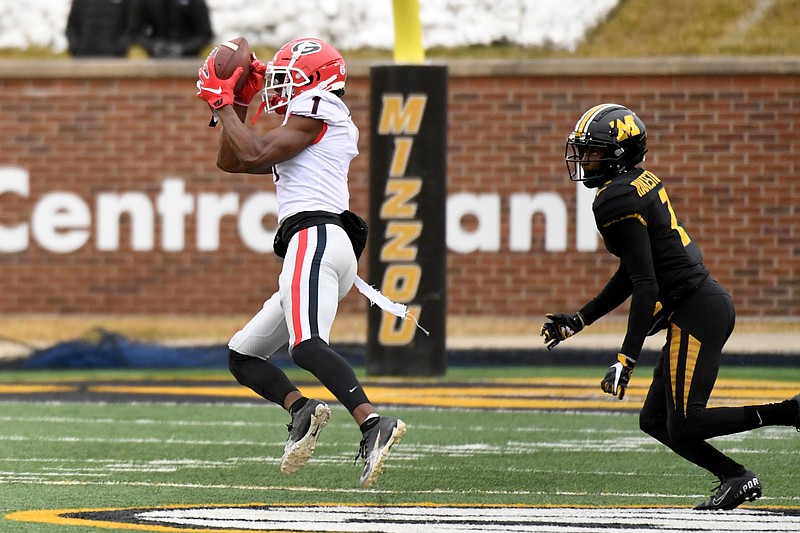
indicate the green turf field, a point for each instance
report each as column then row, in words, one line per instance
column 89, row 455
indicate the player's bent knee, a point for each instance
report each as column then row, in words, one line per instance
column 310, row 354
column 332, row 370
column 685, row 430
column 652, row 423
column 235, row 362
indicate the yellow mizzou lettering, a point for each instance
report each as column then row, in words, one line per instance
column 396, row 331
column 400, row 236
column 626, row 128
column 402, row 153
column 400, row 194
column 400, row 283
column 399, row 117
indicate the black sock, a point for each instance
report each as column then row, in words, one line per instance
column 774, row 414
column 368, row 424
column 298, row 404
column 734, row 470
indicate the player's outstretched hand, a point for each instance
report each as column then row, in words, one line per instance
column 619, row 374
column 560, row 327
column 254, row 83
column 216, row 92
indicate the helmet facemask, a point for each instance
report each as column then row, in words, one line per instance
column 301, row 65
column 281, row 82
column 616, row 136
column 579, row 155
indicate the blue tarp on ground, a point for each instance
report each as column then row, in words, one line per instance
column 105, row 349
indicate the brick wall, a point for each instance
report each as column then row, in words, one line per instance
column 723, row 137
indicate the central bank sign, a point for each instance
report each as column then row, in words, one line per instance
column 64, row 222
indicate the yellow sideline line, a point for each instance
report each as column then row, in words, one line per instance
column 534, row 393
column 6, row 388
column 511, row 397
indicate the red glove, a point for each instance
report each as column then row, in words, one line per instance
column 214, row 91
column 254, row 83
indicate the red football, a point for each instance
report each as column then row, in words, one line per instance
column 230, row 55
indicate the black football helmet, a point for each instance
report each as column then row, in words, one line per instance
column 617, row 131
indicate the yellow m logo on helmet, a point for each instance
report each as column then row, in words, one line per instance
column 626, row 129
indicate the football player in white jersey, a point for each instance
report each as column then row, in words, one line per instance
column 320, row 240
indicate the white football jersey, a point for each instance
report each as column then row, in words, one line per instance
column 316, row 178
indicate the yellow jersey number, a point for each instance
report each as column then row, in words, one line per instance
column 673, row 220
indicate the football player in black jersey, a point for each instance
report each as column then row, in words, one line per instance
column 661, row 269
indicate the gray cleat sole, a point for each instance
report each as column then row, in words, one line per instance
column 397, row 433
column 296, row 455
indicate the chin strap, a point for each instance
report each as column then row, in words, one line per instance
column 261, row 109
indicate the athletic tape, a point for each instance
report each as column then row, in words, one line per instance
column 375, row 296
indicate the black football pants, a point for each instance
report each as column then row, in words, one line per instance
column 675, row 411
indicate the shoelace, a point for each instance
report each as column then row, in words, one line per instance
column 719, row 486
column 362, row 450
column 290, row 425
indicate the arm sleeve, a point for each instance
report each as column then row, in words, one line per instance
column 613, row 294
column 629, row 238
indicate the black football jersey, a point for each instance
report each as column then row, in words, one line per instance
column 640, row 195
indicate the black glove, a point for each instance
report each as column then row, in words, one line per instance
column 561, row 326
column 619, row 374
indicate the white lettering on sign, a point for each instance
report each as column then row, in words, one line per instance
column 485, row 210
column 61, row 222
column 15, row 238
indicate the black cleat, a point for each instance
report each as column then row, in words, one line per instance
column 375, row 446
column 797, row 415
column 306, row 424
column 733, row 492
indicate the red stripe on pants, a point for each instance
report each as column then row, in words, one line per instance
column 302, row 245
